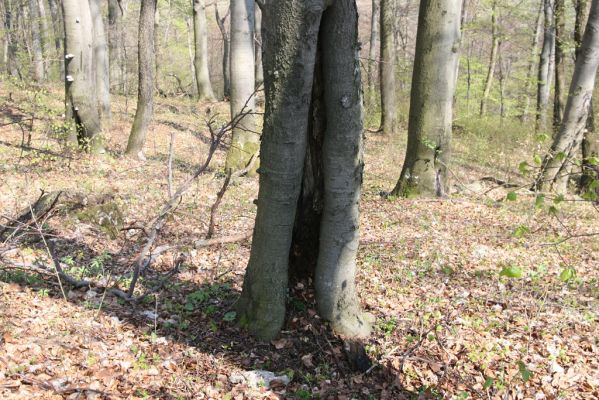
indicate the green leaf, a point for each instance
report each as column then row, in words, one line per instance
column 524, row 372
column 523, row 168
column 593, row 160
column 594, row 185
column 521, row 231
column 511, row 272
column 567, row 274
column 553, row 210
column 512, row 196
column 488, row 383
column 540, row 200
column 537, row 159
column 558, row 199
column 230, row 316
column 560, row 156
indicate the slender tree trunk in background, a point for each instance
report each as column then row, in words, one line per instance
column 544, row 72
column 504, row 74
column 200, row 34
column 10, row 32
column 80, row 97
column 259, row 72
column 57, row 28
column 145, row 91
column 424, row 170
column 387, row 68
column 492, row 59
column 115, row 43
column 226, row 52
column 101, row 65
column 525, row 100
column 245, row 140
column 44, row 34
column 36, row 42
column 559, row 102
column 192, row 68
column 590, row 142
column 554, row 170
column 372, row 61
column 291, row 45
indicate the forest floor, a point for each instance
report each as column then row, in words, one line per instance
column 485, row 294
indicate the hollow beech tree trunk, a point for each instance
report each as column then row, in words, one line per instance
column 292, row 32
column 424, row 170
column 200, row 61
column 145, row 91
column 555, row 168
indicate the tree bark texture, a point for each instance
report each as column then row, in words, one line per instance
column 101, row 63
column 200, row 60
column 374, row 37
column 36, row 42
column 259, row 73
column 245, row 140
column 431, row 104
column 145, row 91
column 291, row 41
column 80, row 98
column 11, row 38
column 559, row 101
column 115, row 43
column 555, row 168
column 387, row 68
column 544, row 72
column 495, row 43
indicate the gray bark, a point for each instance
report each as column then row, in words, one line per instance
column 11, row 39
column 226, row 52
column 192, row 68
column 544, row 73
column 374, row 37
column 291, row 35
column 431, row 104
column 387, row 69
column 44, row 34
column 101, row 64
column 525, row 102
column 492, row 59
column 145, row 91
column 80, row 97
column 555, row 168
column 57, row 27
column 201, row 50
column 245, row 140
column 115, row 43
column 559, row 101
column 36, row 42
column 259, row 73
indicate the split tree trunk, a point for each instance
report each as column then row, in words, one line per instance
column 226, row 52
column 291, row 37
column 200, row 61
column 145, row 92
column 101, row 65
column 544, row 73
column 495, row 43
column 245, row 140
column 387, row 69
column 424, row 170
column 554, row 170
column 80, row 97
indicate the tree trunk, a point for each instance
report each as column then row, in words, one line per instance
column 291, row 43
column 554, row 170
column 44, row 34
column 115, row 43
column 559, row 102
column 372, row 61
column 80, row 97
column 36, row 42
column 192, row 67
column 525, row 102
column 11, row 39
column 145, row 92
column 492, row 59
column 245, row 140
column 226, row 52
column 101, row 65
column 424, row 170
column 544, row 72
column 387, row 69
column 200, row 62
column 259, row 73
column 57, row 28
